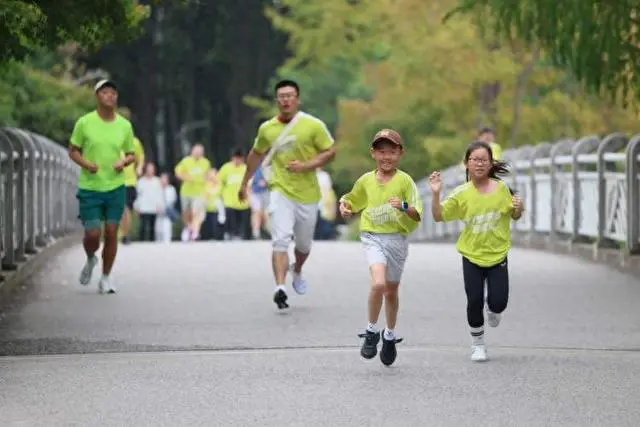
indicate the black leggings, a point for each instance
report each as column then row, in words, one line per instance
column 497, row 278
column 147, row 227
column 238, row 223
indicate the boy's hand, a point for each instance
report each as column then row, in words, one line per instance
column 395, row 202
column 345, row 210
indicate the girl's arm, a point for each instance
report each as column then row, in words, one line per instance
column 436, row 207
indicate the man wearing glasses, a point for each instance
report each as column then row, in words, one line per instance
column 289, row 148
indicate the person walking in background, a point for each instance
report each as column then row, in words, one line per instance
column 259, row 200
column 487, row 135
column 192, row 171
column 149, row 202
column 131, row 174
column 96, row 145
column 165, row 220
column 237, row 211
column 212, row 228
column 327, row 207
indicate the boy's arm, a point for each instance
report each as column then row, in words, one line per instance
column 356, row 198
column 413, row 203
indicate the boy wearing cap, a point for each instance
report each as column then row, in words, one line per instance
column 98, row 140
column 391, row 209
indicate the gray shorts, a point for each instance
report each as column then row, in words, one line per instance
column 289, row 220
column 259, row 201
column 195, row 204
column 388, row 249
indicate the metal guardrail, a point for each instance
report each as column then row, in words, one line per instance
column 37, row 194
column 584, row 191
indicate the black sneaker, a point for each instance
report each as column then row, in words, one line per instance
column 280, row 298
column 125, row 240
column 369, row 347
column 388, row 353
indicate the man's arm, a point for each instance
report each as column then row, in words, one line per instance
column 326, row 146
column 322, row 159
column 139, row 158
column 253, row 161
column 76, row 155
column 76, row 142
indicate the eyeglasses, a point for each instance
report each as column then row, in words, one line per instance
column 286, row 96
column 478, row 161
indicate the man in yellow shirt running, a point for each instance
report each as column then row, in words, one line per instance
column 298, row 143
column 131, row 174
column 192, row 171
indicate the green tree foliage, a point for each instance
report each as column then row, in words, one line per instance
column 436, row 83
column 597, row 40
column 37, row 101
column 195, row 62
column 26, row 25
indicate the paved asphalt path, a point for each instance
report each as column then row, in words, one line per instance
column 193, row 339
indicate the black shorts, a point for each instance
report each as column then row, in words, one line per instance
column 131, row 196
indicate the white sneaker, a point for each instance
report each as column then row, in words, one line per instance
column 105, row 286
column 478, row 353
column 299, row 284
column 87, row 270
column 493, row 319
column 185, row 235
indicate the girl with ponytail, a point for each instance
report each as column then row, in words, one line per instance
column 487, row 206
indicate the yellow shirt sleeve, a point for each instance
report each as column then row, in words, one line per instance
column 357, row 197
column 261, row 144
column 322, row 137
column 77, row 136
column 450, row 209
column 129, row 146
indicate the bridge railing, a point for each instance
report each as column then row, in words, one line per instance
column 585, row 190
column 37, row 194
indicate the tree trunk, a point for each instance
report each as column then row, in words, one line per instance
column 520, row 89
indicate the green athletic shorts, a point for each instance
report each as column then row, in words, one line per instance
column 98, row 206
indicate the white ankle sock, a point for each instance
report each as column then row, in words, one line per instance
column 281, row 288
column 389, row 335
column 371, row 327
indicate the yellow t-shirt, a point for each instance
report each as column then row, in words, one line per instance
column 130, row 174
column 496, row 150
column 328, row 206
column 307, row 138
column 212, row 194
column 372, row 198
column 197, row 170
column 486, row 238
column 230, row 179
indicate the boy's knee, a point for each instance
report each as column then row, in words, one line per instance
column 391, row 290
column 378, row 288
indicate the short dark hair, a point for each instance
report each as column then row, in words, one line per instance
column 287, row 83
column 485, row 130
column 237, row 152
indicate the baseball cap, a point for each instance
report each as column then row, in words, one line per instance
column 389, row 135
column 105, row 83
